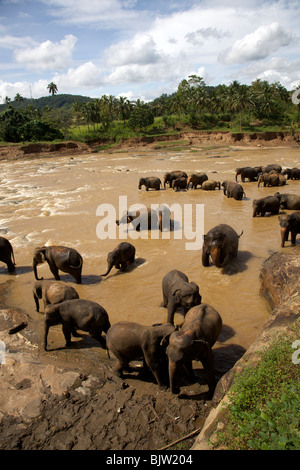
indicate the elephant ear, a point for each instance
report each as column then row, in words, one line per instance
column 195, row 286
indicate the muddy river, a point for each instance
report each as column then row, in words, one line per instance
column 54, row 201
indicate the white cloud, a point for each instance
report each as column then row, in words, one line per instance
column 48, row 55
column 11, row 42
column 86, row 75
column 257, row 45
column 141, row 50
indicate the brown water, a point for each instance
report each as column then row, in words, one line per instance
column 54, row 201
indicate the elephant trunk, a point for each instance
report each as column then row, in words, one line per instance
column 216, row 255
column 109, row 268
column 236, row 175
column 284, row 235
column 172, row 376
column 35, row 271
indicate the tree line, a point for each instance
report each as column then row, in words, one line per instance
column 235, row 107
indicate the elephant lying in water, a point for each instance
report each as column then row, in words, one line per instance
column 199, row 332
column 178, row 292
column 210, row 185
column 120, row 257
column 147, row 218
column 77, row 314
column 7, row 254
column 52, row 292
column 58, row 258
column 221, row 244
column 129, row 341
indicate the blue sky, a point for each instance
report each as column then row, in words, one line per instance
column 141, row 49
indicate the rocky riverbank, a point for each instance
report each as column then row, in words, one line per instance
column 280, row 284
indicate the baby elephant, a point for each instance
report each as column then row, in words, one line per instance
column 179, row 292
column 150, row 182
column 7, row 254
column 221, row 244
column 77, row 314
column 199, row 332
column 52, row 292
column 179, row 183
column 120, row 257
column 129, row 341
column 234, row 190
column 289, row 223
column 210, row 185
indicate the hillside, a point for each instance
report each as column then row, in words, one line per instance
column 53, row 102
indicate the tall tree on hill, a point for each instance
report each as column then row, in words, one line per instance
column 52, row 87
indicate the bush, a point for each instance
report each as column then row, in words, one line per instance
column 264, row 408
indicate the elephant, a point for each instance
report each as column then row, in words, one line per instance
column 196, row 179
column 52, row 292
column 179, row 183
column 266, row 204
column 221, row 244
column 178, row 292
column 274, row 166
column 146, row 218
column 289, row 223
column 129, row 341
column 120, row 257
column 289, row 201
column 150, row 182
column 58, row 258
column 247, row 172
column 292, row 173
column 173, row 175
column 269, row 179
column 7, row 254
column 234, row 190
column 200, row 330
column 210, row 185
column 76, row 314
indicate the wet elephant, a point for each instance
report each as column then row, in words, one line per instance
column 292, row 173
column 273, row 166
column 210, row 185
column 173, row 175
column 150, row 182
column 120, row 257
column 7, row 254
column 268, row 179
column 52, row 292
column 58, row 258
column 196, row 179
column 147, row 218
column 246, row 172
column 179, row 183
column 199, row 332
column 289, row 201
column 233, row 190
column 77, row 314
column 178, row 292
column 268, row 204
column 221, row 244
column 289, row 224
column 129, row 341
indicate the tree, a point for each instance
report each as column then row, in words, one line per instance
column 141, row 117
column 18, row 97
column 52, row 87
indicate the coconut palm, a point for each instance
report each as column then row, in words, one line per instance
column 52, row 87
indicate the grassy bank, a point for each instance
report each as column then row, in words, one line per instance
column 264, row 403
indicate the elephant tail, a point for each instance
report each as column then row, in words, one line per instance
column 108, row 355
column 241, row 234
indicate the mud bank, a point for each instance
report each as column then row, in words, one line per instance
column 196, row 138
column 280, row 284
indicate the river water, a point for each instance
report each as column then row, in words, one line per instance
column 54, row 201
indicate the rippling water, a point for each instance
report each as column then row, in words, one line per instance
column 54, row 201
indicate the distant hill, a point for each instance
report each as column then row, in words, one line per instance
column 56, row 101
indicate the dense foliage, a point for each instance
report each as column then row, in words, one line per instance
column 264, row 403
column 235, row 107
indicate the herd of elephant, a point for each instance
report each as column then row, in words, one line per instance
column 167, row 351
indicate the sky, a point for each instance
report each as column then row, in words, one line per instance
column 140, row 49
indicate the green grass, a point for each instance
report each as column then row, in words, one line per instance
column 264, row 403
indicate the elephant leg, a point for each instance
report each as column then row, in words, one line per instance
column 164, row 302
column 208, row 365
column 123, row 266
column 97, row 335
column 205, row 257
column 152, row 364
column 54, row 271
column 293, row 237
column 189, row 369
column 67, row 329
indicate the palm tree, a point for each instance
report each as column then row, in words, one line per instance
column 239, row 99
column 52, row 87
